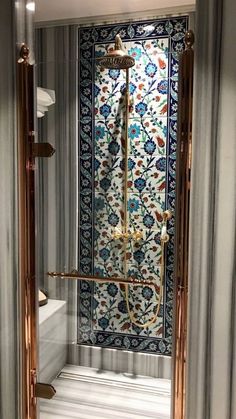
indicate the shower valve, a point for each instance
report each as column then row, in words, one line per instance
column 135, row 235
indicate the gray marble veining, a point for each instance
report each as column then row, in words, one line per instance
column 121, row 361
column 85, row 393
column 52, row 339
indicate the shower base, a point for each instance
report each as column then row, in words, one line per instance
column 85, row 393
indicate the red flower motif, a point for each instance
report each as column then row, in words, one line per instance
column 160, row 142
column 162, row 186
column 125, row 326
column 162, row 64
column 164, row 110
column 158, row 216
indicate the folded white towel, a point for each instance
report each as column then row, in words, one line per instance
column 45, row 98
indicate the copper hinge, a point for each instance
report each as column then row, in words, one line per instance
column 41, row 390
column 42, row 150
column 44, row 391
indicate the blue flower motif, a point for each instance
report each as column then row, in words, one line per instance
column 151, row 69
column 132, row 273
column 132, row 88
column 95, row 304
column 99, row 272
column 157, row 238
column 131, row 164
column 114, row 74
column 99, row 53
column 140, row 184
column 141, row 108
column 99, row 132
column 162, row 86
column 150, row 146
column 96, row 164
column 103, row 323
column 147, row 293
column 161, row 164
column 104, row 254
column 113, row 147
column 135, row 53
column 134, row 131
column 105, row 184
column 164, row 131
column 96, row 234
column 133, row 205
column 148, row 221
column 96, row 90
column 84, row 286
column 153, row 346
column 99, row 203
column 105, row 110
column 113, row 219
column 122, row 307
column 112, row 290
column 139, row 256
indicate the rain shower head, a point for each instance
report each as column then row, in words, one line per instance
column 117, row 58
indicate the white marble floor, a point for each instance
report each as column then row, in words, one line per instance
column 85, row 393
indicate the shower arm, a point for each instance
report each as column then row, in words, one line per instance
column 114, row 279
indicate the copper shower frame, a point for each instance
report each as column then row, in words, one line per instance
column 26, row 193
column 26, row 189
column 183, row 189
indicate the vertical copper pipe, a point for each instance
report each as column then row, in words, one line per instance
column 183, row 186
column 25, row 107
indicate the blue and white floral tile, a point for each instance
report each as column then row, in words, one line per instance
column 153, row 99
column 146, row 136
column 145, row 211
column 149, row 99
column 146, row 251
column 109, row 174
column 109, row 253
column 109, row 98
column 109, row 210
column 143, row 48
column 109, row 137
column 147, row 174
column 111, row 313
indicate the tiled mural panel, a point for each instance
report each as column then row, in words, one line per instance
column 102, row 311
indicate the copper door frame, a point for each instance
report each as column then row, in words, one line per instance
column 28, row 309
column 26, row 191
column 183, row 186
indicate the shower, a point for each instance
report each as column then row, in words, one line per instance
column 117, row 59
column 107, row 262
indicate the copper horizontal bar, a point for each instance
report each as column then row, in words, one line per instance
column 114, row 279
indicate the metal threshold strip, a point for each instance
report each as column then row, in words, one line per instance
column 93, row 278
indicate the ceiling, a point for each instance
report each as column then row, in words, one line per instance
column 50, row 10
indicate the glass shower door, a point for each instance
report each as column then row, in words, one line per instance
column 105, row 199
